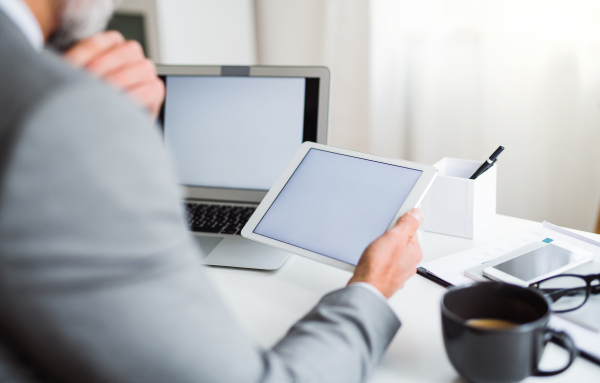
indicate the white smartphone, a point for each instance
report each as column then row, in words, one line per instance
column 549, row 259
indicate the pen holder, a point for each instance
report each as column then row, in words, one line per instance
column 456, row 205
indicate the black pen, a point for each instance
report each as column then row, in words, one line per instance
column 488, row 163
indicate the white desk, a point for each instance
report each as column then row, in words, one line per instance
column 266, row 304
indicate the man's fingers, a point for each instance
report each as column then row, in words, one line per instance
column 405, row 228
column 118, row 57
column 82, row 53
column 410, row 221
column 133, row 75
column 150, row 95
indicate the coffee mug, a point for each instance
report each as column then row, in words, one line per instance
column 496, row 332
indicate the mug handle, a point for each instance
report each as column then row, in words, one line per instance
column 564, row 340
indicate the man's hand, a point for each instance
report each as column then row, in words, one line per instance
column 121, row 63
column 392, row 258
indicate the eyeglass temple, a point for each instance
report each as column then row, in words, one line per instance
column 556, row 294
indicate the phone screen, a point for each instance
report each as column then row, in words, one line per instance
column 538, row 262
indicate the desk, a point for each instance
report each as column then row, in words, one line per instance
column 266, row 304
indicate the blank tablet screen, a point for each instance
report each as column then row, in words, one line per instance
column 336, row 205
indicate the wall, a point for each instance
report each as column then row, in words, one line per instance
column 207, row 31
column 424, row 79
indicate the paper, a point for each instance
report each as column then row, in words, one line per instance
column 587, row 316
column 452, row 267
column 586, row 335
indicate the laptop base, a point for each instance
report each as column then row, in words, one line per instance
column 238, row 252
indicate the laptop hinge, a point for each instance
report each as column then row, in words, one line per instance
column 210, row 200
column 235, row 70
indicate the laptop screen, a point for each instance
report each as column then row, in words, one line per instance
column 237, row 132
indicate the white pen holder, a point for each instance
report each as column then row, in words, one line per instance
column 456, row 205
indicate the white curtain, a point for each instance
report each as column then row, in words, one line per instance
column 425, row 79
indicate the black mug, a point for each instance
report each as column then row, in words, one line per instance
column 496, row 333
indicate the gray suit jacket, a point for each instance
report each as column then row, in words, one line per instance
column 99, row 278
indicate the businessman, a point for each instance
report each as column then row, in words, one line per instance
column 99, row 278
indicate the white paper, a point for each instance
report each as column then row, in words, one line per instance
column 451, row 268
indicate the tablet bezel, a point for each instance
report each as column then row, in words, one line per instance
column 414, row 198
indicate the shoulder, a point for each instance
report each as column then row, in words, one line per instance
column 34, row 84
column 28, row 79
column 41, row 88
column 91, row 114
column 27, row 76
column 89, row 175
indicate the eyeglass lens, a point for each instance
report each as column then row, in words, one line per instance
column 565, row 292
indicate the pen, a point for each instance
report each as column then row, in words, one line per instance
column 488, row 168
column 488, row 163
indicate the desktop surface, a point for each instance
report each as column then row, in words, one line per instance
column 266, row 304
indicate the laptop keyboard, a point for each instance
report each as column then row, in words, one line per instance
column 223, row 219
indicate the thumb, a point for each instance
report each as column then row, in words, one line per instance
column 411, row 220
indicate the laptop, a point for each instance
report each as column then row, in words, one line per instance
column 231, row 131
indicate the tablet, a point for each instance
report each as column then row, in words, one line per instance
column 329, row 204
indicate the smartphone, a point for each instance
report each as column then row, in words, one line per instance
column 549, row 259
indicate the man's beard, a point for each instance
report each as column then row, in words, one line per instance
column 79, row 19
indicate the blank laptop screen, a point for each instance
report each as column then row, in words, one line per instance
column 237, row 132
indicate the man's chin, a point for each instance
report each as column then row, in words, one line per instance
column 61, row 42
column 81, row 19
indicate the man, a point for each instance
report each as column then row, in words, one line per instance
column 99, row 278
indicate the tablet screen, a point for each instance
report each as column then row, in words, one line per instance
column 336, row 205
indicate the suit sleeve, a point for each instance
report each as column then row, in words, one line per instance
column 101, row 282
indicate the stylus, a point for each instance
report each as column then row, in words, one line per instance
column 488, row 163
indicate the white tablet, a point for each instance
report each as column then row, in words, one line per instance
column 329, row 204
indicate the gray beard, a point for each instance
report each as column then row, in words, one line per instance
column 80, row 19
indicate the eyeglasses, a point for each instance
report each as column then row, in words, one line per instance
column 568, row 292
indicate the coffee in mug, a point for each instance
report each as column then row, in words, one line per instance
column 496, row 332
column 489, row 323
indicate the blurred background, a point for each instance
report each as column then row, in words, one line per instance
column 426, row 79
